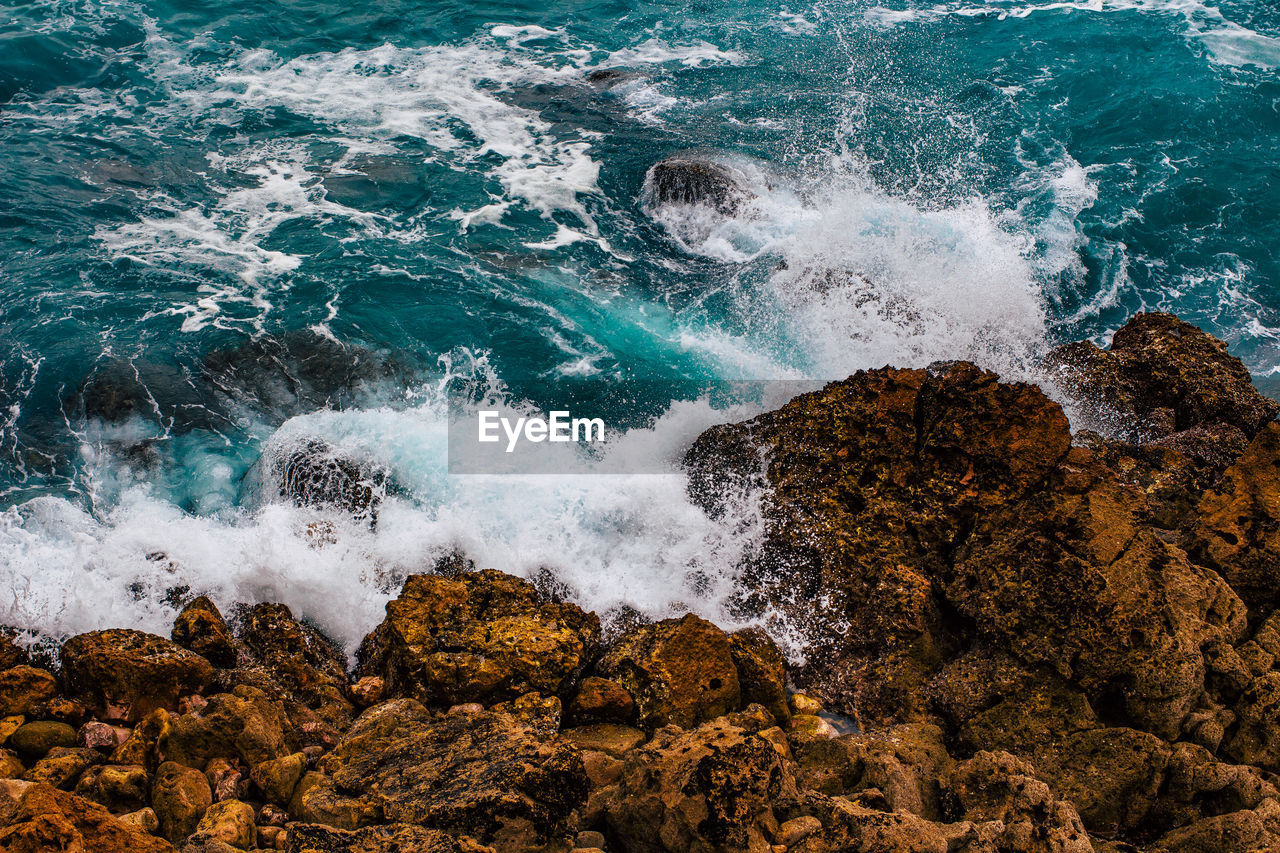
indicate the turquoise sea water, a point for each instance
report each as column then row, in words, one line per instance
column 231, row 226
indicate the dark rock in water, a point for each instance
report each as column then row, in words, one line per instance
column 606, row 77
column 314, row 473
column 478, row 637
column 300, row 371
column 692, row 181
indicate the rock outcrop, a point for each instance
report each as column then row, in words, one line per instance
column 1018, row 639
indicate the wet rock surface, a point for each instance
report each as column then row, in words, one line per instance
column 1015, row 639
column 690, row 180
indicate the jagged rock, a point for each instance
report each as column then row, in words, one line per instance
column 315, row 800
column 679, row 671
column 231, row 822
column 1237, row 525
column 1163, row 376
column 118, row 787
column 762, row 671
column 144, row 819
column 1249, row 831
column 62, row 766
column 141, row 746
column 34, row 740
column 600, row 700
column 717, row 787
column 392, row 838
column 11, row 766
column 996, row 787
column 484, row 774
column 25, row 688
column 102, row 736
column 480, row 636
column 313, row 473
column 852, row 826
column 226, row 779
column 36, row 818
column 278, row 778
column 902, row 499
column 201, row 628
column 610, row 738
column 306, row 664
column 245, row 724
column 131, row 671
column 11, row 654
column 180, row 796
column 695, row 181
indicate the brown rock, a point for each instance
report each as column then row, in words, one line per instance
column 119, row 788
column 485, row 774
column 996, row 787
column 11, row 766
column 276, row 779
column 479, row 636
column 62, row 766
column 245, row 724
column 226, row 779
column 369, row 690
column 101, row 736
column 23, row 689
column 399, row 837
column 140, row 747
column 132, row 670
column 180, row 797
column 716, row 787
column 34, row 740
column 11, row 654
column 36, row 818
column 230, row 822
column 201, row 628
column 762, row 671
column 310, row 667
column 609, row 738
column 1237, row 526
column 600, row 700
column 144, row 819
column 679, row 671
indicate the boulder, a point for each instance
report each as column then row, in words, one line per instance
column 244, row 724
column 485, row 774
column 762, row 671
column 309, row 668
column 131, row 673
column 24, row 689
column 688, row 180
column 679, row 671
column 11, row 766
column 201, row 629
column 37, row 818
column 1236, row 529
column 997, row 787
column 118, row 787
column 62, row 766
column 180, row 796
column 478, row 637
column 399, row 837
column 34, row 740
column 600, row 700
column 716, row 787
column 278, row 778
column 231, row 822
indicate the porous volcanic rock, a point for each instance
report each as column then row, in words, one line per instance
column 131, row 672
column 37, row 818
column 478, row 637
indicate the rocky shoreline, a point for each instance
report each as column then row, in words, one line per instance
column 1020, row 639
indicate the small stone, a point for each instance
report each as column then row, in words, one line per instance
column 590, row 839
column 11, row 766
column 101, row 736
column 231, row 822
column 601, row 700
column 144, row 819
column 62, row 766
column 369, row 691
column 9, row 725
column 467, row 709
column 34, row 740
column 802, row 704
column 118, row 787
column 180, row 797
column 225, row 779
column 267, row 836
column 602, row 769
column 609, row 738
column 271, row 815
column 25, row 688
column 794, row 831
column 277, row 778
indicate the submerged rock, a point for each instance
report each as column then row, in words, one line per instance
column 314, row 473
column 688, row 180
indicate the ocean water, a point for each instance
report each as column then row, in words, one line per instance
column 232, row 227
